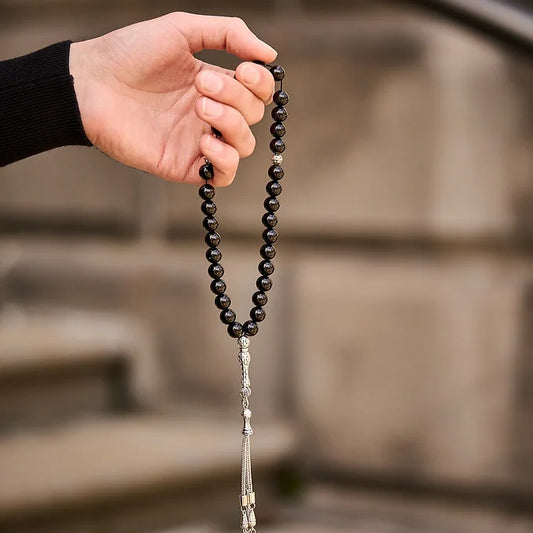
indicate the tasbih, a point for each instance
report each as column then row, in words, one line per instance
column 235, row 329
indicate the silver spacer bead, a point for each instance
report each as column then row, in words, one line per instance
column 244, row 341
column 247, row 414
column 277, row 159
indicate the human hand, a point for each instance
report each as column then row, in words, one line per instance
column 146, row 101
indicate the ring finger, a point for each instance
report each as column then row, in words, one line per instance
column 229, row 122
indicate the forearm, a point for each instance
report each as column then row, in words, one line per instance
column 38, row 107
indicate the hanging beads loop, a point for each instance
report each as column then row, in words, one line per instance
column 271, row 204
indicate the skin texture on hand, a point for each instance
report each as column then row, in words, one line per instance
column 146, row 101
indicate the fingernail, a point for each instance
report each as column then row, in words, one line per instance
column 272, row 49
column 213, row 145
column 212, row 108
column 210, row 82
column 249, row 74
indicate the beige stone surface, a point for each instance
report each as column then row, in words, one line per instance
column 102, row 461
column 407, row 367
column 51, row 339
column 59, row 365
column 330, row 508
column 167, row 290
column 68, row 189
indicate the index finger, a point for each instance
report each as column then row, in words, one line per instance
column 223, row 33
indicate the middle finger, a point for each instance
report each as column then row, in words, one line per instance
column 231, row 92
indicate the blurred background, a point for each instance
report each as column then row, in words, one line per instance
column 393, row 378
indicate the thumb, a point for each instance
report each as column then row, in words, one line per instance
column 223, row 33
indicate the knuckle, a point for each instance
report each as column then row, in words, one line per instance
column 258, row 113
column 227, row 176
column 225, row 180
column 239, row 22
column 249, row 147
column 235, row 121
column 229, row 161
column 271, row 90
column 233, row 162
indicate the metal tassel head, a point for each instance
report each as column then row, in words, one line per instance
column 244, row 341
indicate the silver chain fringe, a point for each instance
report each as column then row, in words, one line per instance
column 247, row 500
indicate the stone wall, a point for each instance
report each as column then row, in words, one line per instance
column 399, row 336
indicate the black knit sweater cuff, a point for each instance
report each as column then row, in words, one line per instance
column 38, row 106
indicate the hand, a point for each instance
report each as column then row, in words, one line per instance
column 146, row 101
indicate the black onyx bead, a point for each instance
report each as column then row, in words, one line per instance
column 271, row 204
column 213, row 255
column 218, row 286
column 216, row 271
column 250, row 328
column 276, row 172
column 281, row 97
column 259, row 298
column 222, row 301
column 257, row 314
column 278, row 129
column 270, row 220
column 274, row 188
column 206, row 191
column 209, row 208
column 266, row 267
column 279, row 114
column 206, row 171
column 264, row 283
column 277, row 146
column 235, row 330
column 270, row 235
column 267, row 251
column 278, row 72
column 210, row 223
column 227, row 316
column 212, row 239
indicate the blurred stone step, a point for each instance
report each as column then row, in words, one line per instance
column 338, row 508
column 166, row 288
column 59, row 365
column 330, row 507
column 133, row 474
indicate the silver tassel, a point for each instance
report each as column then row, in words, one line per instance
column 248, row 520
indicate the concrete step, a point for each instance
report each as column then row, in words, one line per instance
column 131, row 474
column 330, row 508
column 59, row 365
column 336, row 509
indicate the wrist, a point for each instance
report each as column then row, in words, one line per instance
column 80, row 66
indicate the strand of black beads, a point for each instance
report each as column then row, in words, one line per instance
column 269, row 219
column 271, row 204
column 214, row 255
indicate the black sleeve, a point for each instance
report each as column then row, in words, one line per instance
column 38, row 106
